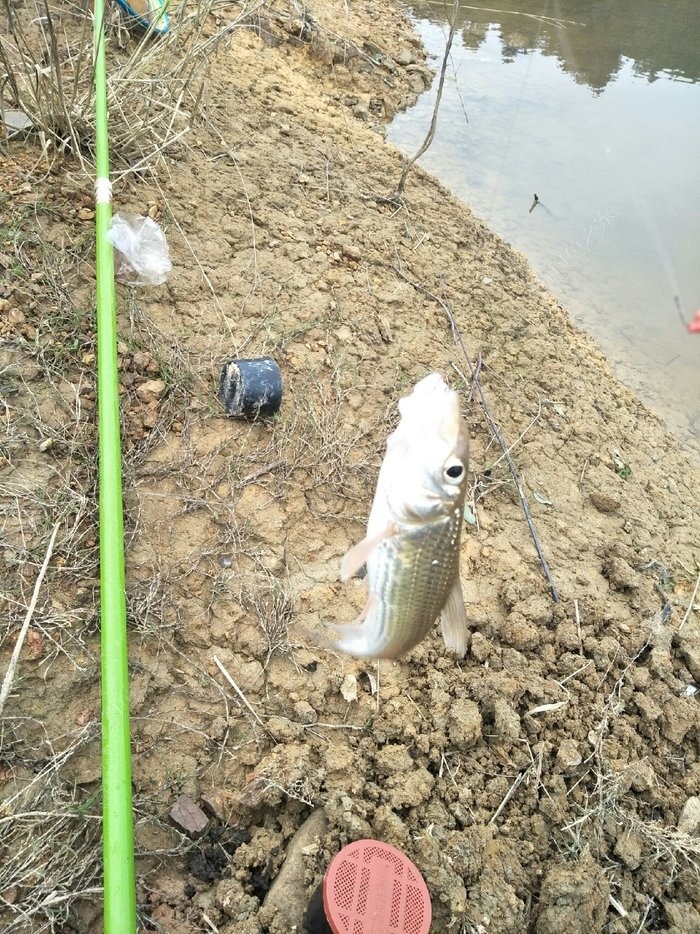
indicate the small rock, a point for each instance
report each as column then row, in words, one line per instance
column 620, row 574
column 16, row 123
column 141, row 360
column 405, row 57
column 304, row 712
column 642, row 777
column 680, row 716
column 464, row 723
column 284, row 730
column 189, row 816
column 86, row 214
column 349, row 688
column 629, row 849
column 481, row 648
column 689, row 821
column 150, row 391
column 568, row 755
column 220, row 804
column 605, row 502
column 287, row 896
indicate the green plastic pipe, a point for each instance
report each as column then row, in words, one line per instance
column 118, row 828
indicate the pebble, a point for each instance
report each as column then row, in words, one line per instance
column 304, row 712
column 689, row 821
column 188, row 816
column 605, row 502
column 568, row 755
column 151, row 390
column 287, row 896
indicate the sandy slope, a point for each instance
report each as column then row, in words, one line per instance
column 236, row 533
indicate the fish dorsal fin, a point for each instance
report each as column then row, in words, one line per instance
column 453, row 619
column 356, row 556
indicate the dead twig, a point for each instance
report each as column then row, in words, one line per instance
column 9, row 676
column 520, row 778
column 475, row 369
column 240, row 693
column 261, row 471
column 691, row 604
column 409, row 163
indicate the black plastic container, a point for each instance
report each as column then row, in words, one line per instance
column 251, row 388
column 315, row 921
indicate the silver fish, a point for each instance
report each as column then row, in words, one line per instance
column 412, row 544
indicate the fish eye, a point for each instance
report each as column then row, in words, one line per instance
column 454, row 470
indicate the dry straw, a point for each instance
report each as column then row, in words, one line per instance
column 156, row 85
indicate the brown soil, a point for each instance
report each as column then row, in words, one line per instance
column 538, row 784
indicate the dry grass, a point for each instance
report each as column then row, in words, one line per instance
column 50, row 832
column 156, row 86
column 271, row 607
column 50, row 827
column 607, row 802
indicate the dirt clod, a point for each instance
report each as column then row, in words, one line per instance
column 574, row 898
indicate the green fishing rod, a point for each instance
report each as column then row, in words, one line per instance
column 117, row 812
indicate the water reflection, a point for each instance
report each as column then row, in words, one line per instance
column 589, row 40
column 595, row 107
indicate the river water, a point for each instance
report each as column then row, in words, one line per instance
column 595, row 107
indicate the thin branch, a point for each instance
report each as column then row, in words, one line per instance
column 519, row 487
column 261, row 471
column 409, row 163
column 511, row 791
column 10, row 675
column 691, row 604
column 238, row 691
column 474, row 370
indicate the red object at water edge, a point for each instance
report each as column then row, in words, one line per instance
column 694, row 326
column 373, row 888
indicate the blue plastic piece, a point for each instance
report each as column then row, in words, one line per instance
column 156, row 19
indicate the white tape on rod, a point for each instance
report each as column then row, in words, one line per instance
column 103, row 191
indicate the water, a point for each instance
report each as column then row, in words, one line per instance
column 601, row 118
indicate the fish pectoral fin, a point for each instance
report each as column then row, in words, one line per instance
column 356, row 556
column 453, row 619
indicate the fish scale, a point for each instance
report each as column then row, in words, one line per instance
column 413, row 573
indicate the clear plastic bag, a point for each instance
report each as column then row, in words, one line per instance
column 141, row 250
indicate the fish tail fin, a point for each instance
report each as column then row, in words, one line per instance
column 352, row 638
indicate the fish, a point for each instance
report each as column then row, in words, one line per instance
column 412, row 546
